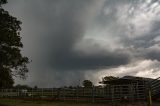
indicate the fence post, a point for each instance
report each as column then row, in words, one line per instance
column 76, row 94
column 59, row 94
column 10, row 93
column 63, row 94
column 93, row 90
column 112, row 93
column 18, row 92
column 150, row 97
column 32, row 93
column 52, row 92
column 42, row 92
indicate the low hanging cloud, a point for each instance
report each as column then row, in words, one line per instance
column 67, row 39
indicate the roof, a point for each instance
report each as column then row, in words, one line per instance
column 137, row 78
column 127, row 80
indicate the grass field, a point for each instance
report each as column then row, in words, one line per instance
column 16, row 102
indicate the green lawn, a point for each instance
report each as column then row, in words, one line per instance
column 15, row 102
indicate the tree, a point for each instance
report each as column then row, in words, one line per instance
column 108, row 78
column 12, row 63
column 35, row 87
column 87, row 84
column 3, row 2
column 6, row 83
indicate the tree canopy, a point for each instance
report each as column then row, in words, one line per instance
column 108, row 78
column 12, row 63
column 3, row 2
column 87, row 84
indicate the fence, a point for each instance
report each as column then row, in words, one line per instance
column 110, row 93
column 155, row 89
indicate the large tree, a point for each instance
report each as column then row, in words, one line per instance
column 87, row 84
column 12, row 63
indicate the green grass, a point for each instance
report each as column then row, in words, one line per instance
column 16, row 102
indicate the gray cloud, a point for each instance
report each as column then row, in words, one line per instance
column 68, row 38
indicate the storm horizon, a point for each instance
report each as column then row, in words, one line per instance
column 72, row 40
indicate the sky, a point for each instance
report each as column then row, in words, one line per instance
column 72, row 40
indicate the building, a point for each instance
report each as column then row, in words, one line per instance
column 128, row 88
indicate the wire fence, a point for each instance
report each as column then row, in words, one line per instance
column 155, row 87
column 112, row 93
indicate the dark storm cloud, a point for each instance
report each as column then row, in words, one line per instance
column 65, row 23
column 76, row 61
column 52, row 29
